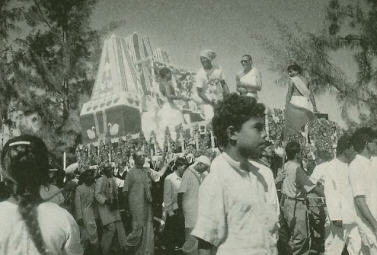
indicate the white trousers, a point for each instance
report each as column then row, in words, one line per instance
column 338, row 237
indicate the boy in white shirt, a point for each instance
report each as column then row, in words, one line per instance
column 343, row 229
column 236, row 214
column 363, row 183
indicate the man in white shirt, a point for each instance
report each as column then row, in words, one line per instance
column 316, row 204
column 343, row 229
column 189, row 193
column 210, row 86
column 363, row 182
column 174, row 222
column 320, row 170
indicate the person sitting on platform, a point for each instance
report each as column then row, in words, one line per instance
column 249, row 80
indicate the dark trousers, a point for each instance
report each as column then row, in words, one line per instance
column 174, row 234
column 294, row 232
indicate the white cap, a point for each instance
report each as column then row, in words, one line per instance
column 203, row 159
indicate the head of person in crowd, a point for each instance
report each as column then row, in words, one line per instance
column 165, row 74
column 180, row 165
column 247, row 63
column 25, row 166
column 202, row 164
column 364, row 141
column 266, row 154
column 139, row 159
column 344, row 148
column 268, row 150
column 107, row 170
column 292, row 151
column 87, row 177
column 322, row 156
column 294, row 70
column 190, row 158
column 53, row 176
column 206, row 58
column 238, row 123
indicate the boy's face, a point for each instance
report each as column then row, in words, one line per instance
column 350, row 154
column 181, row 170
column 250, row 138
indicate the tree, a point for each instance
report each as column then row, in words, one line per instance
column 311, row 51
column 353, row 25
column 9, row 16
column 52, row 66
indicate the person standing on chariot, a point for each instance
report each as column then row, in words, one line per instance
column 249, row 80
column 210, row 86
column 300, row 103
column 166, row 114
column 169, row 113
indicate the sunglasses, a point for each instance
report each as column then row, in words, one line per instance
column 245, row 61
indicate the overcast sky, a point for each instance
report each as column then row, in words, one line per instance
column 184, row 27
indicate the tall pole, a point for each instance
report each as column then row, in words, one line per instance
column 64, row 160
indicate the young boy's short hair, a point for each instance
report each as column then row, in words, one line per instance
column 361, row 137
column 234, row 110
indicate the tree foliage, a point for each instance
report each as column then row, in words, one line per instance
column 312, row 51
column 353, row 25
column 50, row 65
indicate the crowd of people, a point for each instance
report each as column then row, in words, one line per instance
column 243, row 201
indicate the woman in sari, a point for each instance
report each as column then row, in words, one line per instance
column 249, row 80
column 300, row 103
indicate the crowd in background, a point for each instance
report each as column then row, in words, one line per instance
column 245, row 200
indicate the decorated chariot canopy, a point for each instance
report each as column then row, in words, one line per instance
column 126, row 88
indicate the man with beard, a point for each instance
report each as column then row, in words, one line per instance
column 210, row 86
column 137, row 190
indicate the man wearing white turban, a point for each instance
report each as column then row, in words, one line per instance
column 210, row 86
column 209, row 54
